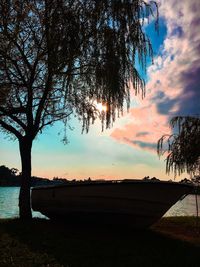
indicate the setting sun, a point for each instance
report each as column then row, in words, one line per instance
column 101, row 107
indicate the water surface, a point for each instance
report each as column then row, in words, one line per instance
column 185, row 207
column 9, row 203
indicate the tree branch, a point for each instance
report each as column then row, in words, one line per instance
column 14, row 118
column 54, row 120
column 21, row 52
column 11, row 129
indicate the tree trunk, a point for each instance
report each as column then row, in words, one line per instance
column 25, row 146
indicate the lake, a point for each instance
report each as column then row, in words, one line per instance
column 9, row 205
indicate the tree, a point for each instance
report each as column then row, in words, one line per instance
column 59, row 57
column 6, row 172
column 183, row 146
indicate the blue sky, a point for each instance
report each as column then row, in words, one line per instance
column 127, row 150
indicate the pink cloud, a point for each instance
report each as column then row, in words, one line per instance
column 172, row 85
column 146, row 126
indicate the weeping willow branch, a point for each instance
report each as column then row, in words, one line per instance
column 183, row 146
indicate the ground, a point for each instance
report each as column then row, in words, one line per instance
column 171, row 242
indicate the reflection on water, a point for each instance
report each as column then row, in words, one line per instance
column 185, row 207
column 9, row 205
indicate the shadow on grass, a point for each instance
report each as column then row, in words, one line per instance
column 78, row 245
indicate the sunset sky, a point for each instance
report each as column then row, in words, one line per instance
column 128, row 149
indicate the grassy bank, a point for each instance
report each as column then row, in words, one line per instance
column 171, row 242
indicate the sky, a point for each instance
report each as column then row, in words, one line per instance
column 128, row 149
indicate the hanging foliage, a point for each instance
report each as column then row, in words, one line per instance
column 183, row 146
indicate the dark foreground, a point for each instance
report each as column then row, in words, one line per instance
column 171, row 242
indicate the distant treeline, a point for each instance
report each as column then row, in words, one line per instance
column 10, row 177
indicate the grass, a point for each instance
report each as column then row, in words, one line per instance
column 171, row 242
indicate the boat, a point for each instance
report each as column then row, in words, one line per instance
column 138, row 203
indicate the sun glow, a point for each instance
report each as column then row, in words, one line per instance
column 101, row 107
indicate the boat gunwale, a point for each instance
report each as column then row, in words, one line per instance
column 111, row 182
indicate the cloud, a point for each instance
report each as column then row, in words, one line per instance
column 173, row 86
column 180, row 72
column 142, row 134
column 141, row 144
column 189, row 103
column 144, row 128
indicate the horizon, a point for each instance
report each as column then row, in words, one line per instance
column 128, row 149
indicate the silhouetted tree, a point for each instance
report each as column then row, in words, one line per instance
column 9, row 177
column 59, row 57
column 183, row 146
column 6, row 172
